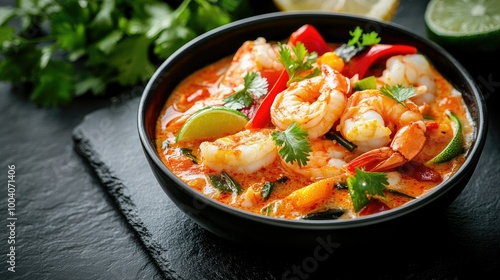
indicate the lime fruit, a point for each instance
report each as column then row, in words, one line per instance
column 470, row 25
column 212, row 122
column 378, row 9
column 455, row 147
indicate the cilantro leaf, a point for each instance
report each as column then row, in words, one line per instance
column 295, row 146
column 56, row 77
column 365, row 184
column 298, row 62
column 132, row 68
column 238, row 100
column 254, row 86
column 357, row 43
column 367, row 39
column 398, row 92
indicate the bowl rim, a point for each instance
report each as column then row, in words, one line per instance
column 470, row 162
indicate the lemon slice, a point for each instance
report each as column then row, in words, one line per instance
column 378, row 9
column 464, row 24
column 212, row 122
column 455, row 147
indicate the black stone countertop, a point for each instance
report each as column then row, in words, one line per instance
column 81, row 221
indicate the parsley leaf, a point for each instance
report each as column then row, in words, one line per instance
column 298, row 63
column 398, row 92
column 295, row 146
column 365, row 183
column 254, row 86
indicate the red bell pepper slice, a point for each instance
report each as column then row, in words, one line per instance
column 374, row 206
column 312, row 40
column 263, row 115
column 362, row 62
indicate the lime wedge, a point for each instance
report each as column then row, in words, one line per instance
column 464, row 24
column 455, row 147
column 212, row 122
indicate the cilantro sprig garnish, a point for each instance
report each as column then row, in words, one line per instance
column 293, row 143
column 364, row 184
column 254, row 87
column 65, row 49
column 360, row 39
column 298, row 62
column 398, row 92
column 358, row 43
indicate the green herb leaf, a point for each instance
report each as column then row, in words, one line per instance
column 298, row 62
column 225, row 183
column 267, row 189
column 254, row 87
column 365, row 184
column 269, row 186
column 56, row 77
column 189, row 153
column 398, row 92
column 357, row 43
column 294, row 144
column 132, row 68
column 367, row 39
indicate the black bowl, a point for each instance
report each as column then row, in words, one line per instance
column 241, row 226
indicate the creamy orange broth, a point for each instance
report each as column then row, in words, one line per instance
column 197, row 87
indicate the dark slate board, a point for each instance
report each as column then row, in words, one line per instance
column 462, row 242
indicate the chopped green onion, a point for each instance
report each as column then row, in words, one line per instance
column 338, row 137
column 366, row 83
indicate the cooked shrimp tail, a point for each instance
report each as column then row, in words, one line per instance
column 407, row 143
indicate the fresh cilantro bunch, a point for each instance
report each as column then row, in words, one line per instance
column 69, row 48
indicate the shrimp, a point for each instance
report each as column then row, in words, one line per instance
column 253, row 56
column 315, row 104
column 244, row 152
column 325, row 161
column 369, row 122
column 411, row 70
